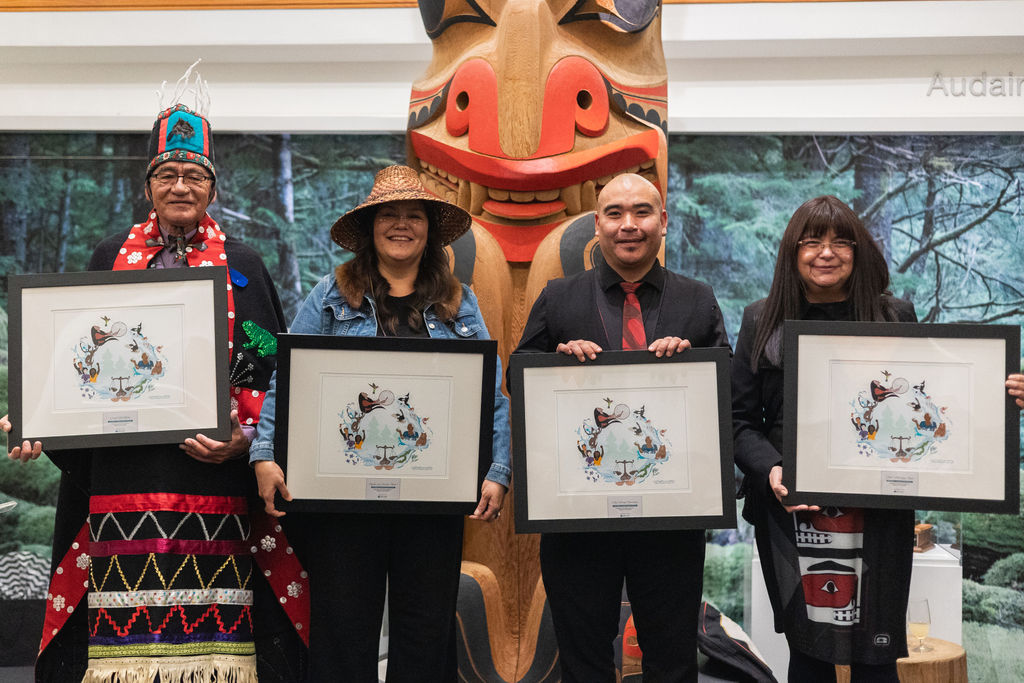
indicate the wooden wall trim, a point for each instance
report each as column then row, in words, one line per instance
column 159, row 5
column 162, row 5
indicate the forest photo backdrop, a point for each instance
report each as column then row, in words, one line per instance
column 948, row 210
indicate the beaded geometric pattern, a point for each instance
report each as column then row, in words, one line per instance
column 170, row 575
column 220, row 527
column 188, row 570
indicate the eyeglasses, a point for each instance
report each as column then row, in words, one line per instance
column 192, row 178
column 838, row 247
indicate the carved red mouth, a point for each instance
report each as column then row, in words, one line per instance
column 521, row 200
column 550, row 184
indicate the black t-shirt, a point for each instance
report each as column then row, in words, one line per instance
column 403, row 306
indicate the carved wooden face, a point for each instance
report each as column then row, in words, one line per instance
column 529, row 106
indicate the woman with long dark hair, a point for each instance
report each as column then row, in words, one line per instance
column 842, row 601
column 398, row 284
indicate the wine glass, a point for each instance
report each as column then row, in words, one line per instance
column 918, row 619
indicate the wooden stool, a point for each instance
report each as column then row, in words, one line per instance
column 946, row 663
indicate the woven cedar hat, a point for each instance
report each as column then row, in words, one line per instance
column 397, row 183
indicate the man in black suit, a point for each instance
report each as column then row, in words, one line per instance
column 627, row 299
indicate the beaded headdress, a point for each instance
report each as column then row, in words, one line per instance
column 181, row 133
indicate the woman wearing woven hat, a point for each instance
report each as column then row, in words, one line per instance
column 398, row 284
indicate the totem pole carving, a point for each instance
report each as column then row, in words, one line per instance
column 526, row 110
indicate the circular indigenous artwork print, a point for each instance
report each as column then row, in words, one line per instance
column 116, row 362
column 382, row 431
column 898, row 421
column 620, row 445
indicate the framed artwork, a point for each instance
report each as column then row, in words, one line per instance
column 384, row 424
column 627, row 441
column 119, row 358
column 901, row 415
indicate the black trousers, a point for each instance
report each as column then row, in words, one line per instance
column 664, row 575
column 352, row 560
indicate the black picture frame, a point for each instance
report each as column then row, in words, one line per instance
column 48, row 310
column 550, row 391
column 454, row 379
column 935, row 390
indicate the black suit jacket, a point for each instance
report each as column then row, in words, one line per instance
column 588, row 306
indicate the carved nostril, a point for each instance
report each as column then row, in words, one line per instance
column 584, row 99
column 462, row 100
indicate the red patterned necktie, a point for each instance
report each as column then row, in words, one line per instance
column 633, row 337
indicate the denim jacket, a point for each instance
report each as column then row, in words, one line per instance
column 325, row 312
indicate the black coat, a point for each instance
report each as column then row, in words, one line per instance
column 757, row 397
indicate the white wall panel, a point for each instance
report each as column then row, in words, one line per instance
column 733, row 68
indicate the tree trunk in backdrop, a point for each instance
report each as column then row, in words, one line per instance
column 871, row 178
column 14, row 221
column 289, row 283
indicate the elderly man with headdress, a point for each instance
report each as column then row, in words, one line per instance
column 153, row 576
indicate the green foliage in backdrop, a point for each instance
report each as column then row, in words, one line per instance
column 724, row 575
column 1007, row 572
